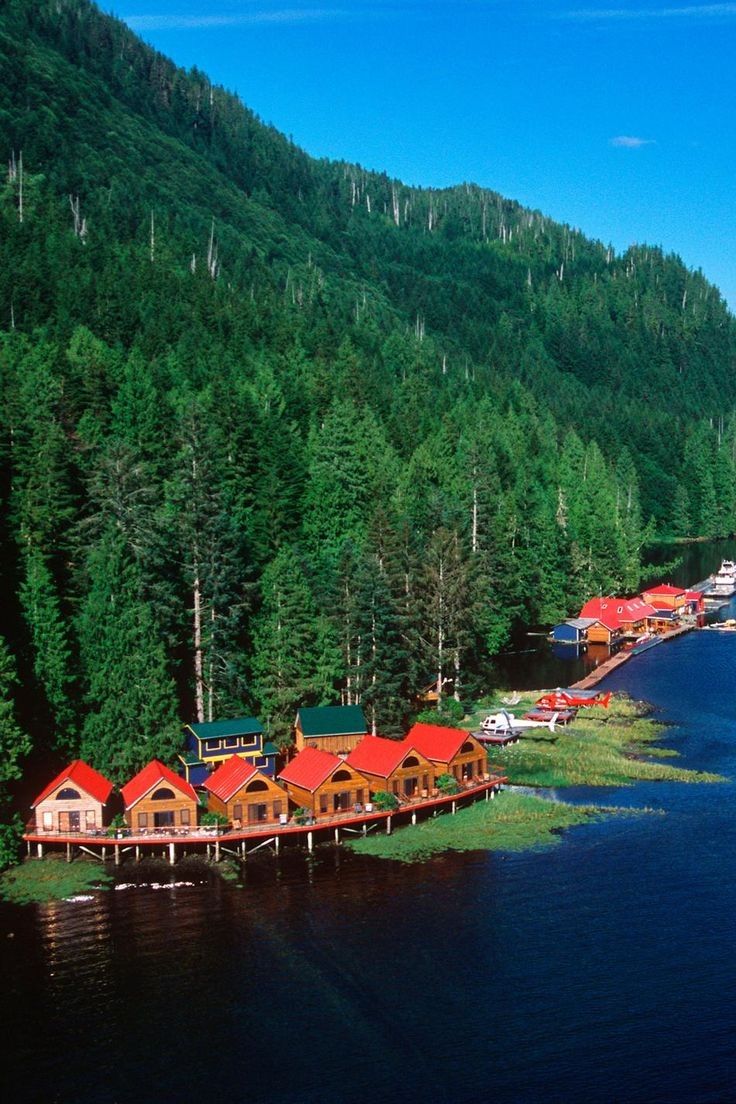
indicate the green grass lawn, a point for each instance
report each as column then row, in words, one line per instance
column 51, row 879
column 513, row 822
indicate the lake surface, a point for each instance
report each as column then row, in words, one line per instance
column 602, row 970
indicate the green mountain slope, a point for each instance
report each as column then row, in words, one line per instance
column 279, row 430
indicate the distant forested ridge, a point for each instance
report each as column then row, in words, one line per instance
column 280, row 431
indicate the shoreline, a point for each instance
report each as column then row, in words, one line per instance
column 600, row 749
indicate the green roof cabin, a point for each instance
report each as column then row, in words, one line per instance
column 335, row 728
column 212, row 742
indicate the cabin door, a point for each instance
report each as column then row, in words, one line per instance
column 164, row 819
column 342, row 802
column 69, row 822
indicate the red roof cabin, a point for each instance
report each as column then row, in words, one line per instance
column 156, row 798
column 393, row 766
column 617, row 617
column 670, row 602
column 695, row 601
column 244, row 794
column 323, row 783
column 77, row 800
column 453, row 751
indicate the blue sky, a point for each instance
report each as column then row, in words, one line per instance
column 617, row 117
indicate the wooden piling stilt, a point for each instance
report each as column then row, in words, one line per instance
column 172, row 853
column 310, row 841
column 217, row 850
column 414, row 817
column 137, row 852
column 337, row 835
column 388, row 825
column 68, row 852
column 117, row 854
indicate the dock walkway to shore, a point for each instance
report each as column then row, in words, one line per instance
column 615, row 661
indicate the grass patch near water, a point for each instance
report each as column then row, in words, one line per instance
column 513, row 822
column 51, row 879
column 602, row 747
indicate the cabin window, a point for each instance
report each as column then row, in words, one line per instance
column 395, row 788
column 231, row 742
column 164, row 819
column 323, row 803
column 162, row 794
column 68, row 794
column 342, row 801
column 237, row 812
column 213, row 745
column 256, row 786
column 185, row 817
column 358, row 797
column 48, row 820
column 276, row 810
column 257, row 813
column 143, row 820
column 466, row 748
column 411, row 761
column 89, row 818
column 341, row 776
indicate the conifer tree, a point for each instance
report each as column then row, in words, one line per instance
column 130, row 694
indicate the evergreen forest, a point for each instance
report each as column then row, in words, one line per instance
column 279, row 431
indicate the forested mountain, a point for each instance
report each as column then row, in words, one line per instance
column 277, row 430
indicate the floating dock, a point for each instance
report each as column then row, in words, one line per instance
column 615, row 661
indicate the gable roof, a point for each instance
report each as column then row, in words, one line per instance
column 145, row 780
column 310, row 767
column 437, row 742
column 380, row 756
column 229, row 777
column 84, row 777
column 614, row 612
column 238, row 726
column 665, row 589
column 332, row 720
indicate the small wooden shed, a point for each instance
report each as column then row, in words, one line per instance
column 157, row 799
column 244, row 794
column 323, row 783
column 77, row 800
column 452, row 750
column 393, row 766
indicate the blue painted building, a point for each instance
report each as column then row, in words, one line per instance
column 574, row 631
column 211, row 743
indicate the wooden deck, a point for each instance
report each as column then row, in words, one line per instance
column 244, row 841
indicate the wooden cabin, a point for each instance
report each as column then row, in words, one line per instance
column 608, row 629
column 393, row 766
column 213, row 742
column 335, row 728
column 668, row 603
column 667, row 597
column 244, row 794
column 77, row 800
column 323, row 783
column 156, row 798
column 452, row 750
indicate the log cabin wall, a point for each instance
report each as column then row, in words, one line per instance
column 259, row 800
column 182, row 810
column 338, row 745
column 344, row 789
column 82, row 813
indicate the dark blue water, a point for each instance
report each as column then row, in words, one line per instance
column 602, row 970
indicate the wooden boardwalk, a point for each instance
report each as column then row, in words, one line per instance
column 242, row 842
column 608, row 665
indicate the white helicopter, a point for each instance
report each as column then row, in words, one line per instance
column 504, row 723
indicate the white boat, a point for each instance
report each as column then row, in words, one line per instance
column 723, row 583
